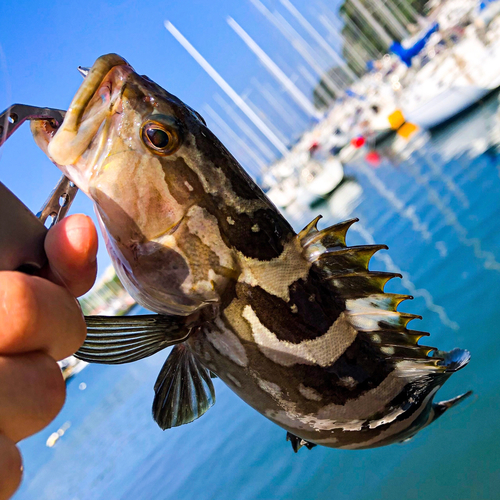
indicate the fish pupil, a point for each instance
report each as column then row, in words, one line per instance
column 158, row 138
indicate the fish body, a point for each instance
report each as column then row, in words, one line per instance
column 295, row 324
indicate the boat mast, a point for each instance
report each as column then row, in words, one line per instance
column 221, row 123
column 299, row 44
column 244, row 127
column 231, row 93
column 322, row 42
column 275, row 71
column 361, row 63
column 396, row 25
column 385, row 37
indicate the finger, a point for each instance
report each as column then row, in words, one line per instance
column 10, row 468
column 32, row 392
column 71, row 247
column 38, row 315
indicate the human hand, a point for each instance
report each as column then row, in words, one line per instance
column 40, row 323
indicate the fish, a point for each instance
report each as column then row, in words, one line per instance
column 296, row 324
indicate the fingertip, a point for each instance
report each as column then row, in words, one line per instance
column 11, row 468
column 71, row 247
column 33, row 392
column 36, row 315
column 78, row 234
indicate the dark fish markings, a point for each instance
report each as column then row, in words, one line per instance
column 410, row 399
column 215, row 155
column 166, row 263
column 238, row 231
column 183, row 183
column 315, row 310
column 358, row 370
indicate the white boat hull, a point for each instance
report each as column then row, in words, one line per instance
column 445, row 105
column 328, row 178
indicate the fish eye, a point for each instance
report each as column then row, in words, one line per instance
column 162, row 139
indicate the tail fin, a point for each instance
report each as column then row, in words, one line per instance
column 454, row 360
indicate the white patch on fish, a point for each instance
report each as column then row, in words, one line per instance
column 205, row 226
column 271, row 388
column 310, row 393
column 387, row 419
column 322, row 351
column 234, row 380
column 364, row 316
column 227, row 343
column 275, row 276
column 347, row 382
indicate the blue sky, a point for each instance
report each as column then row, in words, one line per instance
column 42, row 44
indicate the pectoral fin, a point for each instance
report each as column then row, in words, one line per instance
column 123, row 339
column 183, row 390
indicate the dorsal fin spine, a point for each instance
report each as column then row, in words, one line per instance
column 370, row 309
column 310, row 229
column 334, row 234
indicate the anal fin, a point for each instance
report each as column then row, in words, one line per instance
column 183, row 389
column 123, row 339
column 298, row 442
column 442, row 406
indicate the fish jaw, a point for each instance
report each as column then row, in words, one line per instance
column 88, row 109
column 79, row 143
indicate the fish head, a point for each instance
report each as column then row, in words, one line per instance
column 127, row 143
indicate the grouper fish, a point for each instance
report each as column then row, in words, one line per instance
column 295, row 324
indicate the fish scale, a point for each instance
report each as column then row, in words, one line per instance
column 296, row 324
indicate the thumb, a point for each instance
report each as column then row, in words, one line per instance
column 71, row 247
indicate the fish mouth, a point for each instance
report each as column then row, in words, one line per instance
column 93, row 103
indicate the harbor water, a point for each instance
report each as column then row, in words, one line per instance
column 436, row 203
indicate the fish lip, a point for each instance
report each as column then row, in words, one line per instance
column 87, row 112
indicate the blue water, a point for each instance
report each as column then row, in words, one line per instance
column 437, row 206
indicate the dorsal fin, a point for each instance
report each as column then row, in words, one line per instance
column 369, row 308
column 183, row 389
